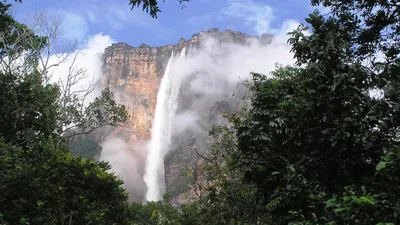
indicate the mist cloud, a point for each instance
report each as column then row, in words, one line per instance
column 207, row 77
column 185, row 120
column 214, row 72
column 128, row 162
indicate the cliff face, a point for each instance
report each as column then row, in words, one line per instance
column 134, row 74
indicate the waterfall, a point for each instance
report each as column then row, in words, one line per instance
column 167, row 103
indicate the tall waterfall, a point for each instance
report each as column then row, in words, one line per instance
column 167, row 103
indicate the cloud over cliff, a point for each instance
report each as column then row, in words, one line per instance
column 207, row 75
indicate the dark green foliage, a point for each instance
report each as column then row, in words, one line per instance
column 28, row 110
column 154, row 213
column 224, row 197
column 150, row 6
column 103, row 111
column 374, row 25
column 40, row 182
column 45, row 185
column 312, row 138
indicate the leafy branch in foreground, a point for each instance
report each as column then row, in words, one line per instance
column 150, row 6
column 102, row 111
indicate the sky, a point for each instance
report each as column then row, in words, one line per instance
column 85, row 18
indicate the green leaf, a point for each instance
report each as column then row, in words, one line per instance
column 367, row 199
column 380, row 166
column 339, row 210
column 291, row 167
column 40, row 203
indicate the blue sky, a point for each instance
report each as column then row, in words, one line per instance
column 84, row 18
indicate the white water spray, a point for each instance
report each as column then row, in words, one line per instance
column 167, row 103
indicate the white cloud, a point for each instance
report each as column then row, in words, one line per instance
column 127, row 161
column 257, row 15
column 87, row 58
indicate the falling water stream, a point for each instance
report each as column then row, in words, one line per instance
column 167, row 103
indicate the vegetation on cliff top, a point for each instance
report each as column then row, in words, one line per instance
column 314, row 147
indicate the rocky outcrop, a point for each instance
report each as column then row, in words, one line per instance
column 134, row 74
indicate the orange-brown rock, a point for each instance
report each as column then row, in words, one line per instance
column 134, row 75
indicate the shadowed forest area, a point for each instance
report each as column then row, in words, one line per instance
column 318, row 143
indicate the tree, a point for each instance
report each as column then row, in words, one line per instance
column 40, row 182
column 154, row 213
column 31, row 104
column 313, row 138
column 27, row 107
column 45, row 185
column 222, row 196
column 150, row 6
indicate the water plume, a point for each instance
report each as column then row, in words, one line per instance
column 167, row 103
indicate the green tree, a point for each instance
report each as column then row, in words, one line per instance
column 40, row 182
column 313, row 136
column 27, row 108
column 46, row 185
column 223, row 197
column 154, row 213
column 33, row 108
